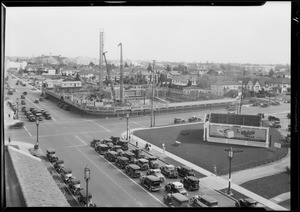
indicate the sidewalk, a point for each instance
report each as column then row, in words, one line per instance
column 211, row 181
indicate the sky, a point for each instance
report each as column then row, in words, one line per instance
column 260, row 35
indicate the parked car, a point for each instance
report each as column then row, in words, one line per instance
column 169, row 171
column 123, row 144
column 133, row 170
column 122, row 162
column 138, row 153
column 185, row 171
column 94, row 142
column 74, row 186
column 41, row 99
column 22, row 96
column 178, row 120
column 36, row 101
column 195, row 202
column 23, row 102
column 157, row 173
column 111, row 155
column 191, row 183
column 58, row 165
column 152, row 183
column 101, row 148
column 130, row 156
column 47, row 116
column 176, row 200
column 50, row 154
column 207, row 200
column 117, row 149
column 246, row 203
column 24, row 93
column 66, row 175
column 31, row 118
column 194, row 119
column 115, row 139
column 273, row 118
column 175, row 187
column 153, row 163
column 143, row 163
column 23, row 109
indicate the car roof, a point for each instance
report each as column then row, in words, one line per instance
column 102, row 145
column 134, row 166
column 117, row 146
column 51, row 150
column 152, row 157
column 177, row 183
column 143, row 160
column 180, row 197
column 155, row 170
column 192, row 178
column 113, row 152
column 170, row 166
column 123, row 141
column 208, row 198
column 152, row 178
column 129, row 153
column 123, row 158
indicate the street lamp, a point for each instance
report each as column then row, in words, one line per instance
column 37, row 133
column 87, row 176
column 230, row 156
column 127, row 118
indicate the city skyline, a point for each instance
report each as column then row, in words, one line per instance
column 257, row 35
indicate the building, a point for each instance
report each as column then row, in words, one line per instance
column 183, row 80
column 282, row 84
column 221, row 87
column 71, row 84
column 10, row 65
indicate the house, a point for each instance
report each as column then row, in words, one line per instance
column 220, row 88
column 284, row 84
column 71, row 84
column 183, row 80
column 71, row 71
column 51, row 83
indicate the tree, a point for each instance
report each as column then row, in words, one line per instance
column 231, row 93
column 203, row 82
column 126, row 65
column 168, row 68
column 271, row 73
column 91, row 64
column 149, row 68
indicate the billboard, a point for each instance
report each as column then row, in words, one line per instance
column 237, row 132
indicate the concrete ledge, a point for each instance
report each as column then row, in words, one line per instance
column 37, row 186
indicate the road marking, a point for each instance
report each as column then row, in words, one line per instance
column 124, row 175
column 28, row 131
column 101, row 126
column 80, row 140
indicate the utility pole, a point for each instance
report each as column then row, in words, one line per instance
column 152, row 98
column 242, row 91
column 230, row 156
column 101, row 61
column 121, row 74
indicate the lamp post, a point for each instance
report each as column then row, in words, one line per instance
column 230, row 156
column 17, row 108
column 127, row 118
column 87, row 176
column 37, row 133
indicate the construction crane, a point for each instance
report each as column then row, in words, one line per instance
column 109, row 80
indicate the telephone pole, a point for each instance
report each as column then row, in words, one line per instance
column 152, row 98
column 121, row 74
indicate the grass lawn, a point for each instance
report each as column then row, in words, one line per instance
column 206, row 154
column 269, row 187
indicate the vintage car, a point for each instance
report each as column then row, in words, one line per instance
column 195, row 202
column 94, row 142
column 101, row 148
column 194, row 119
column 39, row 116
column 83, row 200
column 122, row 162
column 178, row 120
column 31, row 118
column 153, row 163
column 66, row 175
column 41, row 99
column 191, row 183
column 115, row 139
column 133, row 170
column 23, row 102
column 176, row 200
column 175, row 187
column 138, row 153
column 47, row 116
column 184, row 171
column 74, row 186
column 247, row 203
column 107, row 141
column 169, row 171
column 207, row 200
column 143, row 163
column 24, row 93
column 23, row 109
column 58, row 165
column 118, row 149
column 111, row 155
column 36, row 101
column 156, row 173
column 130, row 156
column 273, row 118
column 152, row 183
column 123, row 144
column 275, row 124
column 22, row 96
column 50, row 154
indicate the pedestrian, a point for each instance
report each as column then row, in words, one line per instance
column 9, row 139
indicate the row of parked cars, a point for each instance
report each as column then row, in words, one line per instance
column 63, row 105
column 72, row 183
column 33, row 114
column 179, row 120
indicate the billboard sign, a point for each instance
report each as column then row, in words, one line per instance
column 238, row 132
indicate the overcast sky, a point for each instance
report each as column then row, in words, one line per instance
column 180, row 34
